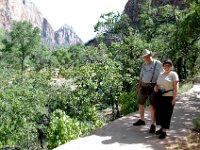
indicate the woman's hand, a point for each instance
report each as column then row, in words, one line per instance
column 173, row 101
column 156, row 88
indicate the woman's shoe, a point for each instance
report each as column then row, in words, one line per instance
column 158, row 132
column 152, row 129
column 162, row 135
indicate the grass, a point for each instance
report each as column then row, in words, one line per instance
column 189, row 142
column 185, row 87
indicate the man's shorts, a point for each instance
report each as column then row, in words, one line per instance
column 142, row 97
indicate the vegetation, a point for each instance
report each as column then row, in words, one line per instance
column 38, row 106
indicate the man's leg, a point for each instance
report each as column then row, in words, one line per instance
column 152, row 113
column 141, row 111
column 141, row 100
column 153, row 118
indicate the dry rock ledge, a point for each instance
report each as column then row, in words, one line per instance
column 122, row 135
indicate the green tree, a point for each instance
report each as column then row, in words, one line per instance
column 2, row 35
column 112, row 27
column 112, row 23
column 62, row 57
column 76, row 55
column 106, row 23
column 184, row 43
column 40, row 58
column 22, row 39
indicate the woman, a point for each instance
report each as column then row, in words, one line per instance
column 167, row 83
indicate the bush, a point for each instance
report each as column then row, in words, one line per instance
column 127, row 102
column 64, row 128
column 196, row 123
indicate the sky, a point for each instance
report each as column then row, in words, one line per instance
column 81, row 15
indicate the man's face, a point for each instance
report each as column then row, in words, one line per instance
column 147, row 58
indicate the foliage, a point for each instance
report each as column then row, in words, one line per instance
column 21, row 105
column 184, row 87
column 2, row 35
column 22, row 39
column 106, row 23
column 127, row 102
column 196, row 122
column 127, row 54
column 62, row 57
column 40, row 58
column 63, row 129
column 112, row 26
column 76, row 55
column 98, row 78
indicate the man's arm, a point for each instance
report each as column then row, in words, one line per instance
column 138, row 87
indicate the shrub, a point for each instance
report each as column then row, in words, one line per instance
column 196, row 123
column 64, row 128
column 127, row 102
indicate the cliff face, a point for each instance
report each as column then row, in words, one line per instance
column 26, row 10
column 66, row 35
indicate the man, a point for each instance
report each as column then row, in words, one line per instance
column 148, row 77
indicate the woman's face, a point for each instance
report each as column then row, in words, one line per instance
column 167, row 67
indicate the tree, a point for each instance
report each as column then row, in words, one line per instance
column 62, row 57
column 128, row 53
column 2, row 34
column 184, row 42
column 22, row 39
column 112, row 26
column 41, row 57
column 112, row 23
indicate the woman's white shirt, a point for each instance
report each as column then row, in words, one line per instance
column 166, row 81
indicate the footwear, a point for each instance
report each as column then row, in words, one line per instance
column 162, row 135
column 139, row 122
column 158, row 132
column 152, row 129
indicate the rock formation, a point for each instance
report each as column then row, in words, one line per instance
column 18, row 10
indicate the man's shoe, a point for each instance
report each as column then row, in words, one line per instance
column 139, row 122
column 162, row 135
column 158, row 132
column 152, row 129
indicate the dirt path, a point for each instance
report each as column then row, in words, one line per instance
column 122, row 135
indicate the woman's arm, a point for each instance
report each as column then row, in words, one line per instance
column 175, row 89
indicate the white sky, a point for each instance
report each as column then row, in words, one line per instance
column 82, row 15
